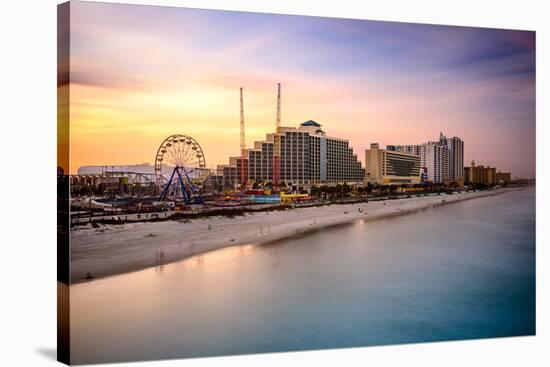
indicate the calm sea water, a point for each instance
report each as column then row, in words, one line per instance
column 461, row 271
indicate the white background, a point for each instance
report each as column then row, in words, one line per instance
column 27, row 202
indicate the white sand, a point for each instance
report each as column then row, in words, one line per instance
column 115, row 249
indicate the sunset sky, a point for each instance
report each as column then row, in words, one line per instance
column 141, row 73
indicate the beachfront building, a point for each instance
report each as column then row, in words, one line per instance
column 387, row 167
column 260, row 161
column 307, row 156
column 434, row 159
column 442, row 161
column 230, row 173
column 413, row 149
column 436, row 162
column 456, row 157
column 479, row 175
column 503, row 177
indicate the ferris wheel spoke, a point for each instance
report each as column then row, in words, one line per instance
column 170, row 161
column 189, row 154
column 178, row 152
column 186, row 154
column 174, row 152
column 174, row 159
column 181, row 153
column 181, row 156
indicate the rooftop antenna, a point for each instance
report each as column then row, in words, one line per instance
column 242, row 143
column 276, row 141
column 278, row 121
column 242, row 140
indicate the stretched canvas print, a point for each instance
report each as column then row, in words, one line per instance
column 234, row 183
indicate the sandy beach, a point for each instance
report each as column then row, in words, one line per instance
column 116, row 249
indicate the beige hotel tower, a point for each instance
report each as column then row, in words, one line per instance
column 386, row 167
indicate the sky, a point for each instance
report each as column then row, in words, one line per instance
column 141, row 73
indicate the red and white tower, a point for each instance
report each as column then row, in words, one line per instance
column 276, row 141
column 244, row 159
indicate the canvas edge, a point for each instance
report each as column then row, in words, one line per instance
column 63, row 189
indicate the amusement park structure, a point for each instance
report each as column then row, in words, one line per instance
column 180, row 169
column 114, row 180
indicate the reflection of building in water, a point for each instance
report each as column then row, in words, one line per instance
column 385, row 167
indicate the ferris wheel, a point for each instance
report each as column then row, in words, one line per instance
column 180, row 168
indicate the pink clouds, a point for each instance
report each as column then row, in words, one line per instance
column 162, row 71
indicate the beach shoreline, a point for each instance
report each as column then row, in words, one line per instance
column 117, row 249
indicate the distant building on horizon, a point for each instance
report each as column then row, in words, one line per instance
column 504, row 177
column 386, row 166
column 479, row 175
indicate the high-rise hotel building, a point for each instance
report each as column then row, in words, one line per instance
column 308, row 156
column 436, row 161
column 442, row 160
column 456, row 157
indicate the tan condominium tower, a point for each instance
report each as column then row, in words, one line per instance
column 386, row 167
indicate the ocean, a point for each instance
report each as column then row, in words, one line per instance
column 459, row 271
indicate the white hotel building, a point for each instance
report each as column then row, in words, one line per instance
column 442, row 160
